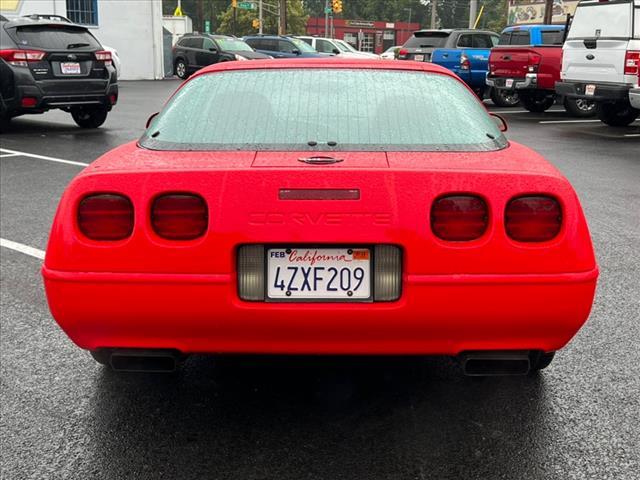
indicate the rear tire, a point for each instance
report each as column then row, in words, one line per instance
column 540, row 360
column 579, row 107
column 180, row 69
column 90, row 118
column 504, row 98
column 537, row 102
column 617, row 114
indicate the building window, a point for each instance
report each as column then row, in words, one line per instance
column 84, row 12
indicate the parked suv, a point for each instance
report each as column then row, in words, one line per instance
column 334, row 46
column 195, row 51
column 601, row 60
column 280, row 46
column 55, row 64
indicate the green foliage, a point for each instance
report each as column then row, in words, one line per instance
column 296, row 20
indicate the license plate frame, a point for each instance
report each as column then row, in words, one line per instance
column 419, row 58
column 70, row 68
column 306, row 299
column 590, row 90
column 508, row 83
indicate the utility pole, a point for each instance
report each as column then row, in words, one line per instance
column 548, row 12
column 473, row 12
column 434, row 14
column 326, row 18
column 283, row 17
column 200, row 13
column 260, row 16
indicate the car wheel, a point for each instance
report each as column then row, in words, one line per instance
column 504, row 98
column 89, row 118
column 579, row 107
column 617, row 114
column 181, row 69
column 540, row 360
column 537, row 102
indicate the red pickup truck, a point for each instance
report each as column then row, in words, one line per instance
column 528, row 60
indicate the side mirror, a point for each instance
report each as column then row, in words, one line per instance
column 336, row 51
column 150, row 119
column 296, row 52
column 499, row 121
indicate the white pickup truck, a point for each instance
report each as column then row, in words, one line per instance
column 601, row 59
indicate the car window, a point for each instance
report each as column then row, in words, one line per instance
column 286, row 46
column 520, row 38
column 359, row 109
column 482, row 41
column 552, row 37
column 307, row 40
column 264, row 44
column 600, row 19
column 465, row 41
column 323, row 46
column 427, row 40
column 233, row 45
column 302, row 46
column 208, row 43
column 342, row 46
column 58, row 37
column 505, row 39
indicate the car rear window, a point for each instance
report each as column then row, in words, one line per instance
column 56, row 37
column 427, row 40
column 602, row 20
column 552, row 37
column 309, row 109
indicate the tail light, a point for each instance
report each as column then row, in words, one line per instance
column 104, row 56
column 459, row 218
column 28, row 102
column 179, row 216
column 465, row 64
column 106, row 217
column 632, row 63
column 403, row 53
column 533, row 219
column 21, row 58
column 534, row 62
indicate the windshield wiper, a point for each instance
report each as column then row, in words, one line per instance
column 77, row 45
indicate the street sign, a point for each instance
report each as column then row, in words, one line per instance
column 328, row 10
column 247, row 5
column 207, row 26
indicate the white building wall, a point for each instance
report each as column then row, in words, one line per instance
column 132, row 27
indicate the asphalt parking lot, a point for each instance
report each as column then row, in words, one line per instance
column 65, row 416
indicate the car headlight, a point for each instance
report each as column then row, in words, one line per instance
column 239, row 57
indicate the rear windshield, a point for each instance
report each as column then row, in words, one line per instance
column 427, row 40
column 233, row 45
column 552, row 37
column 56, row 37
column 602, row 19
column 310, row 109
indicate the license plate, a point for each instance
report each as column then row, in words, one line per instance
column 419, row 58
column 508, row 83
column 333, row 274
column 590, row 90
column 70, row 68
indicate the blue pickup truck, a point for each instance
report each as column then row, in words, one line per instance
column 464, row 52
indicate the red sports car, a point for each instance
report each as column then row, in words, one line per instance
column 321, row 207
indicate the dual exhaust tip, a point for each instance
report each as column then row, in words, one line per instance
column 475, row 364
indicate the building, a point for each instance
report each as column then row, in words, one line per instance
column 367, row 36
column 523, row 12
column 132, row 27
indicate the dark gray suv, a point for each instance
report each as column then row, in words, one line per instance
column 49, row 64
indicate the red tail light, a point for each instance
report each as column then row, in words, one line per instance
column 104, row 56
column 29, row 102
column 21, row 58
column 465, row 64
column 459, row 218
column 179, row 216
column 632, row 63
column 533, row 219
column 534, row 62
column 106, row 217
column 403, row 52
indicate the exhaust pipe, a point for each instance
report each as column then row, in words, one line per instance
column 482, row 364
column 141, row 360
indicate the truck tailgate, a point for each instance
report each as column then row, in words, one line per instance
column 509, row 62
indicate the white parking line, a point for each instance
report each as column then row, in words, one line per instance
column 632, row 134
column 19, row 247
column 40, row 157
column 5, row 155
column 569, row 121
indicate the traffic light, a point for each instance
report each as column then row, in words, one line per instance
column 336, row 6
column 234, row 3
column 255, row 23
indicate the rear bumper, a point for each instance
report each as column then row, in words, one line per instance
column 529, row 82
column 437, row 314
column 634, row 97
column 604, row 92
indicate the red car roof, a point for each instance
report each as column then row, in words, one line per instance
column 327, row 63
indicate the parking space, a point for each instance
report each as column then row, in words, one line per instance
column 64, row 416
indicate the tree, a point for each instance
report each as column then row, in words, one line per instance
column 296, row 20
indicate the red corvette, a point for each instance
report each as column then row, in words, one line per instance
column 321, row 207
